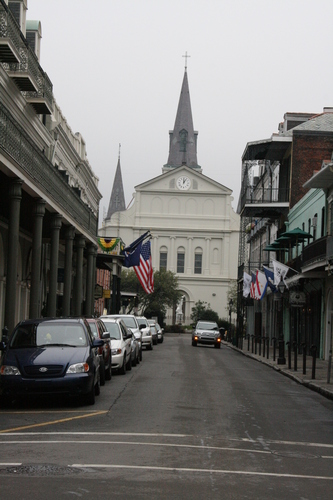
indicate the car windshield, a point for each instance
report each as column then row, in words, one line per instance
column 203, row 325
column 93, row 329
column 113, row 329
column 129, row 322
column 49, row 334
column 143, row 322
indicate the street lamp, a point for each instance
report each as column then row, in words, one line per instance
column 281, row 359
column 230, row 307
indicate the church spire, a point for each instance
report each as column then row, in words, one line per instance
column 117, row 200
column 183, row 138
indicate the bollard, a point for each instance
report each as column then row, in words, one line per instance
column 314, row 355
column 248, row 342
column 289, row 355
column 263, row 347
column 259, row 345
column 274, row 348
column 267, row 338
column 304, row 358
column 295, row 355
column 252, row 336
column 255, row 344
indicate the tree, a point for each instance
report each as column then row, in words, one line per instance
column 203, row 311
column 166, row 293
column 232, row 296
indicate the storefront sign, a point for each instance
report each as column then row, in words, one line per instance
column 297, row 299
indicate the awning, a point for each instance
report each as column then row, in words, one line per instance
column 296, row 234
column 321, row 179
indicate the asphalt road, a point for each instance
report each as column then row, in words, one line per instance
column 188, row 422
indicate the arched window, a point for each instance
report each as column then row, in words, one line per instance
column 198, row 261
column 163, row 258
column 181, row 260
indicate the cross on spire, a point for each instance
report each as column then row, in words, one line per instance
column 186, row 57
column 119, row 151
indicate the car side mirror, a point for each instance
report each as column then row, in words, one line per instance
column 106, row 335
column 98, row 343
column 142, row 327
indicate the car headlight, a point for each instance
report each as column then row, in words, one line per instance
column 9, row 370
column 116, row 351
column 78, row 368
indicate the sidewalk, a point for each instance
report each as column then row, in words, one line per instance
column 318, row 384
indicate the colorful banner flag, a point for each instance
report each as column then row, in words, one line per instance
column 261, row 284
column 108, row 244
column 270, row 279
column 253, row 286
column 132, row 252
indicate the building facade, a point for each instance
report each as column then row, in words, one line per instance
column 194, row 228
column 282, row 221
column 49, row 192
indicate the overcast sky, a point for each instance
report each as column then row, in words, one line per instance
column 117, row 69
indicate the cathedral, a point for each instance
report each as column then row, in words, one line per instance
column 195, row 231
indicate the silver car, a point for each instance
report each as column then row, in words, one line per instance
column 206, row 332
column 132, row 323
column 147, row 339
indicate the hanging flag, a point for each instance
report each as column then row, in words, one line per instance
column 136, row 242
column 132, row 252
column 270, row 279
column 144, row 270
column 253, row 286
column 246, row 284
column 261, row 284
column 280, row 271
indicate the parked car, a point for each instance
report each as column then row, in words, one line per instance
column 160, row 333
column 206, row 332
column 131, row 323
column 153, row 333
column 99, row 331
column 51, row 357
column 158, row 329
column 135, row 350
column 120, row 337
column 147, row 339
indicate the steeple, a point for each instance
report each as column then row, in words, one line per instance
column 117, row 200
column 183, row 138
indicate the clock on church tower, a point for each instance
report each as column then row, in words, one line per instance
column 183, row 183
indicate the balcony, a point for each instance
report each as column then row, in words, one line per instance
column 261, row 201
column 315, row 254
column 22, row 65
column 9, row 36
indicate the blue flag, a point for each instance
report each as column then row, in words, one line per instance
column 270, row 279
column 132, row 257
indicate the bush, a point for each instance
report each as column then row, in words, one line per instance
column 174, row 329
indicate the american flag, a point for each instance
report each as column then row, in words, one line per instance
column 144, row 270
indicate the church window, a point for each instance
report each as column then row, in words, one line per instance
column 182, row 140
column 180, row 261
column 197, row 263
column 163, row 261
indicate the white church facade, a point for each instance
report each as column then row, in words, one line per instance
column 195, row 231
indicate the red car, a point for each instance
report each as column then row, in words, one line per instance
column 99, row 331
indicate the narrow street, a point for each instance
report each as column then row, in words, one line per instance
column 188, row 422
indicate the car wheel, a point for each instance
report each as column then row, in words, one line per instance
column 194, row 343
column 134, row 361
column 155, row 342
column 102, row 371
column 138, row 358
column 123, row 368
column 108, row 371
column 129, row 364
column 141, row 354
column 150, row 347
column 98, row 386
column 90, row 398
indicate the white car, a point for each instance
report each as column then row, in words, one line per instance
column 120, row 337
column 147, row 339
column 131, row 322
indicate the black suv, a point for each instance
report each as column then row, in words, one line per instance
column 206, row 332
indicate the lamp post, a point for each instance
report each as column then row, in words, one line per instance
column 281, row 359
column 230, row 306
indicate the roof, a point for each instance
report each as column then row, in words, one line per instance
column 117, row 199
column 321, row 123
column 183, row 138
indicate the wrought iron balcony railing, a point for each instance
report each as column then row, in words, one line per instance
column 315, row 252
column 22, row 65
column 15, row 142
